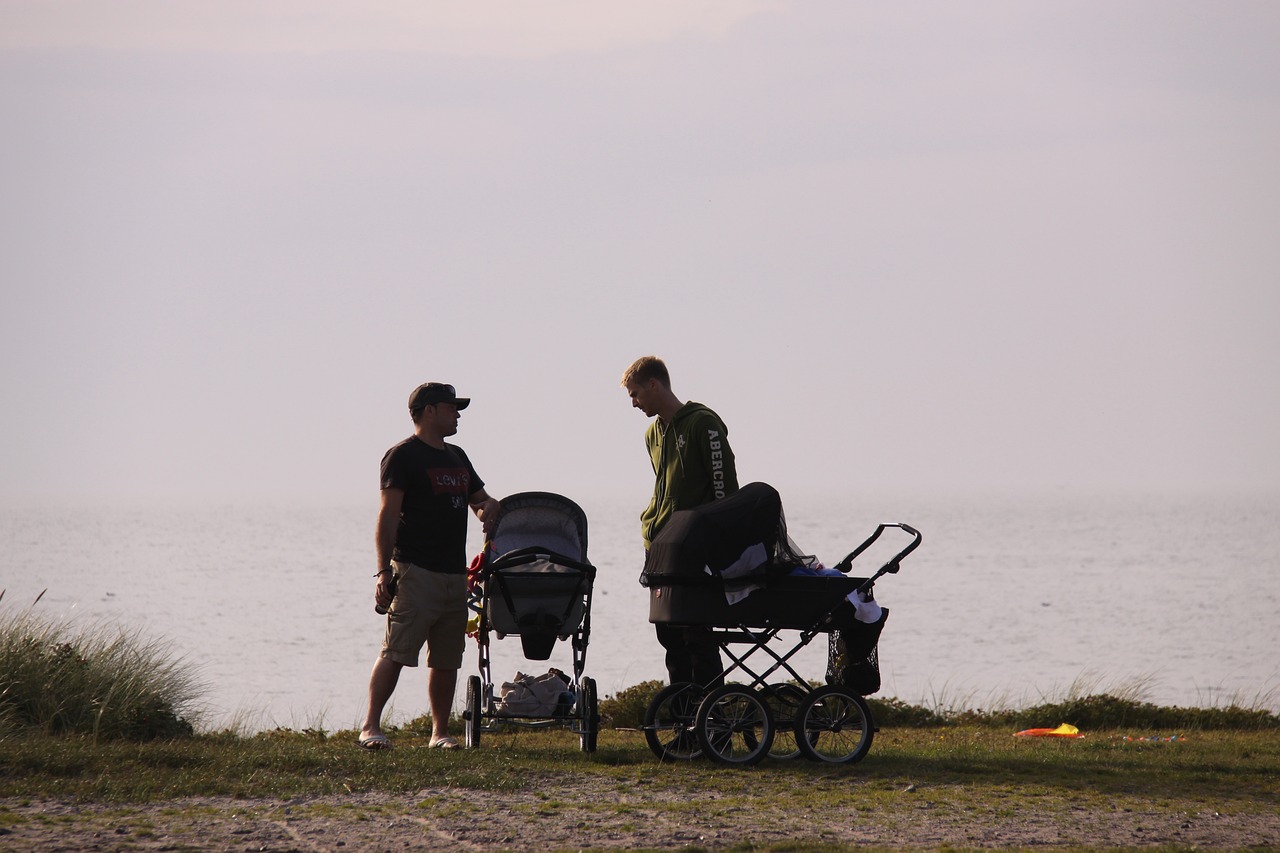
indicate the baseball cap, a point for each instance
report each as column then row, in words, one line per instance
column 436, row 392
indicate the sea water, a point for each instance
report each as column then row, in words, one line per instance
column 1008, row 600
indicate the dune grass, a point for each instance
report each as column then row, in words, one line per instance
column 101, row 681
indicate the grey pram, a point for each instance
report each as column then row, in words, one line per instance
column 535, row 582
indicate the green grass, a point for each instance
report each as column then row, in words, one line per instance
column 965, row 766
column 105, row 716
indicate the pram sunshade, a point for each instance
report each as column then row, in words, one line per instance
column 538, row 580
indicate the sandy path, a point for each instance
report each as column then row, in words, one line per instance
column 603, row 816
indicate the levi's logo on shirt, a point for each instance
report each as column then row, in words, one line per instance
column 451, row 481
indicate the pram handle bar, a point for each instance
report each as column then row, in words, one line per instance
column 890, row 567
column 524, row 556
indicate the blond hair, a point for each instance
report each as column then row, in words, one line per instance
column 646, row 368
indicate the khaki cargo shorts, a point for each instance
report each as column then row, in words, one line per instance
column 430, row 608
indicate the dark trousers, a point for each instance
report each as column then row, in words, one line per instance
column 692, row 654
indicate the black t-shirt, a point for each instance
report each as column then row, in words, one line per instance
column 433, row 518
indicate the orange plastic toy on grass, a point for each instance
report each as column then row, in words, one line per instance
column 1064, row 730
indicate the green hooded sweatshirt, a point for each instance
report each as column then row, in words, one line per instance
column 692, row 461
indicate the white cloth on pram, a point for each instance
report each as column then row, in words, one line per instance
column 752, row 558
column 865, row 608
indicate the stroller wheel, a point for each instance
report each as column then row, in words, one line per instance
column 668, row 722
column 475, row 710
column 835, row 726
column 734, row 725
column 588, row 715
column 785, row 701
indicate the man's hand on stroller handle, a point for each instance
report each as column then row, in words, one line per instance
column 486, row 509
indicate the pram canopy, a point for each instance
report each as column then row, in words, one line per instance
column 540, row 520
column 537, row 580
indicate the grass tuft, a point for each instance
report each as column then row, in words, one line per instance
column 102, row 682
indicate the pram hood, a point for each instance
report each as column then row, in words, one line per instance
column 539, row 519
column 744, row 531
column 537, row 578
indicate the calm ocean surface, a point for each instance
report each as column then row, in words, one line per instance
column 1006, row 602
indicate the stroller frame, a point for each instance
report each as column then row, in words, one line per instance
column 736, row 723
column 502, row 587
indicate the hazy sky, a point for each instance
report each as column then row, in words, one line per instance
column 915, row 245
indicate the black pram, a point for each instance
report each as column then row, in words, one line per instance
column 730, row 566
column 535, row 582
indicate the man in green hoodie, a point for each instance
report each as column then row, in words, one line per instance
column 688, row 445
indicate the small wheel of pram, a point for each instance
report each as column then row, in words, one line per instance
column 835, row 726
column 475, row 710
column 588, row 715
column 734, row 725
column 785, row 701
column 669, row 719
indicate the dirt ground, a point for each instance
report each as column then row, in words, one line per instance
column 571, row 818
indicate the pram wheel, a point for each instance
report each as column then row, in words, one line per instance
column 475, row 710
column 669, row 722
column 785, row 701
column 588, row 715
column 734, row 725
column 834, row 726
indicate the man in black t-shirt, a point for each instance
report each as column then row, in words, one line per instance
column 427, row 488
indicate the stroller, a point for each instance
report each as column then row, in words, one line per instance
column 730, row 566
column 533, row 581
